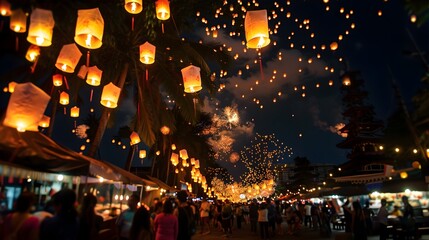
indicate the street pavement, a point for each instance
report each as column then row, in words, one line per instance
column 305, row 233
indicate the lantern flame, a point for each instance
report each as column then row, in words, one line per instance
column 88, row 40
column 17, row 28
column 64, row 67
column 261, row 42
column 133, row 6
column 39, row 40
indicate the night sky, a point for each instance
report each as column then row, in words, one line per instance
column 376, row 42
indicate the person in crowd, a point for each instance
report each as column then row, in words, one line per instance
column 246, row 213
column 21, row 224
column 185, row 217
column 64, row 224
column 396, row 212
column 253, row 215
column 125, row 219
column 382, row 219
column 368, row 213
column 238, row 215
column 315, row 215
column 218, row 214
column 407, row 220
column 263, row 221
column 279, row 219
column 141, row 228
column 89, row 221
column 347, row 216
column 204, row 216
column 358, row 222
column 307, row 217
column 166, row 224
column 227, row 218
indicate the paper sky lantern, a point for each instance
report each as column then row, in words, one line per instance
column 192, row 161
column 142, row 154
column 256, row 29
column 134, row 138
column 11, row 86
column 94, row 76
column 74, row 112
column 89, row 28
column 44, row 122
column 174, row 159
column 26, row 107
column 147, row 53
column 68, row 58
column 162, row 9
column 184, row 162
column 5, row 8
column 110, row 95
column 133, row 6
column 197, row 163
column 33, row 53
column 334, row 46
column 41, row 27
column 64, row 98
column 165, row 130
column 346, row 80
column 173, row 146
column 191, row 79
column 183, row 154
column 18, row 21
column 57, row 80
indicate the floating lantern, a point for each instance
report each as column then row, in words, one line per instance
column 57, row 80
column 174, row 159
column 11, row 86
column 44, row 122
column 68, row 58
column 183, row 154
column 110, row 96
column 162, row 9
column 191, row 79
column 346, row 80
column 134, row 138
column 173, row 146
column 26, row 107
column 142, row 154
column 334, row 46
column 215, row 34
column 197, row 163
column 403, row 175
column 184, row 162
column 64, row 98
column 147, row 53
column 256, row 29
column 165, row 130
column 89, row 28
column 134, row 6
column 74, row 112
column 94, row 76
column 5, row 8
column 33, row 53
column 18, row 21
column 41, row 27
column 192, row 161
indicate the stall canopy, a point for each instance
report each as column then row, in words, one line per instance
column 161, row 184
column 35, row 151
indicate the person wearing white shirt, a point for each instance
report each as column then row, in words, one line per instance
column 204, row 216
column 382, row 219
column 263, row 220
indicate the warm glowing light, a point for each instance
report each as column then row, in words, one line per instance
column 64, row 98
column 41, row 27
column 256, row 29
column 162, row 8
column 134, row 138
column 133, row 6
column 110, row 95
column 191, row 79
column 147, row 53
column 403, row 175
column 74, row 112
column 68, row 58
column 89, row 28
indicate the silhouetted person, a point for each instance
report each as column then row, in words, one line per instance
column 358, row 222
column 89, row 221
column 382, row 219
column 407, row 220
column 141, row 226
column 125, row 219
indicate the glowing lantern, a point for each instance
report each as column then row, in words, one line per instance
column 142, row 154
column 256, row 28
column 165, row 130
column 5, row 8
column 133, row 6
column 18, row 21
column 44, row 122
column 334, row 46
column 215, row 34
column 57, row 80
column 162, row 9
column 346, row 81
column 11, row 86
column 183, row 154
column 147, row 53
column 135, row 138
column 191, row 79
column 89, row 28
column 110, row 95
column 68, row 58
column 94, row 76
column 174, row 159
column 416, row 164
column 403, row 175
column 41, row 27
column 74, row 112
column 184, row 162
column 33, row 53
column 64, row 98
column 197, row 163
column 173, row 146
column 234, row 157
column 26, row 107
column 192, row 161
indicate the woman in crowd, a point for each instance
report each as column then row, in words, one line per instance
column 166, row 224
column 89, row 221
column 21, row 224
column 141, row 226
column 263, row 220
column 358, row 222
